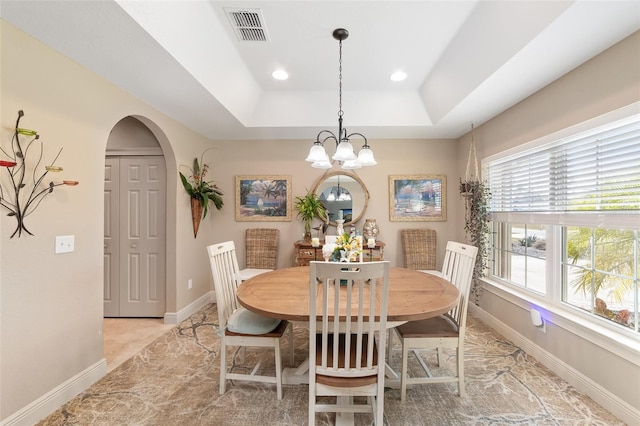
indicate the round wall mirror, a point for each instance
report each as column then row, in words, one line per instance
column 342, row 193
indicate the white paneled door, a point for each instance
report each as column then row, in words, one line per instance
column 134, row 236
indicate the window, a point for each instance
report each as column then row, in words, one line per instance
column 600, row 272
column 519, row 255
column 566, row 219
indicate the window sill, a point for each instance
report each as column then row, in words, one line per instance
column 609, row 338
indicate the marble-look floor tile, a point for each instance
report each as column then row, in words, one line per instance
column 174, row 381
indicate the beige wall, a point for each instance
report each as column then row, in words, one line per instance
column 51, row 305
column 603, row 84
column 286, row 158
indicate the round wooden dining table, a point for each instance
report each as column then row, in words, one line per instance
column 284, row 294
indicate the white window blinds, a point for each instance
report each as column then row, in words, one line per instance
column 594, row 171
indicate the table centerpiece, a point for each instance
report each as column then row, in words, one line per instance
column 347, row 248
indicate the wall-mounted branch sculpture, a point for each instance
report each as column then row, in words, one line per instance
column 25, row 191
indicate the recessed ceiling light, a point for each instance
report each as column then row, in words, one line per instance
column 280, row 75
column 398, row 76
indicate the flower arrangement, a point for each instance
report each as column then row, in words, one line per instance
column 347, row 248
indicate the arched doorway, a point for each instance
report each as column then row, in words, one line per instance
column 134, row 223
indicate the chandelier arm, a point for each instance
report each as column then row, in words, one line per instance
column 366, row 143
column 332, row 136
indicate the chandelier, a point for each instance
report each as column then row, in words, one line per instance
column 339, row 194
column 344, row 151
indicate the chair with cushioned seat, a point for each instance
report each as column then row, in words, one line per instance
column 344, row 359
column 238, row 326
column 261, row 251
column 444, row 331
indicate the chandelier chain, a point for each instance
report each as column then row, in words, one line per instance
column 344, row 155
column 340, row 112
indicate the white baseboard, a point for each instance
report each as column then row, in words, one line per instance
column 190, row 309
column 621, row 409
column 51, row 401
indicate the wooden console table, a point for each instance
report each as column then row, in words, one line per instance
column 305, row 252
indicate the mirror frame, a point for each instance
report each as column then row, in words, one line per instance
column 353, row 176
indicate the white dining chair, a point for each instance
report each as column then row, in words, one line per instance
column 349, row 302
column 444, row 331
column 238, row 326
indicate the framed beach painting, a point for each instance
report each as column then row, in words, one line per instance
column 418, row 198
column 263, row 198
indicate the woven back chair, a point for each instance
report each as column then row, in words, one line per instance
column 261, row 251
column 419, row 248
column 261, row 245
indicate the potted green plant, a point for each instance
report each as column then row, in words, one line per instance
column 201, row 192
column 309, row 207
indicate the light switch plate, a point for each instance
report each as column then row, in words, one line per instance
column 65, row 244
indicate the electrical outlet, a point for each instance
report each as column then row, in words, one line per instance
column 190, row 284
column 65, row 244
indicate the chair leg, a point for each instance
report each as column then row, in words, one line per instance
column 312, row 405
column 291, row 355
column 243, row 354
column 379, row 405
column 223, row 367
column 278, row 368
column 403, row 375
column 439, row 356
column 460, row 359
column 389, row 344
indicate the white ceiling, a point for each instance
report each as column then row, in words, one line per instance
column 466, row 61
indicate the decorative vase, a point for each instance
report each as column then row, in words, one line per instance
column 307, row 231
column 196, row 214
column 339, row 227
column 370, row 229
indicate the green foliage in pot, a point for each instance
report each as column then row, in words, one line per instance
column 477, row 226
column 199, row 188
column 309, row 207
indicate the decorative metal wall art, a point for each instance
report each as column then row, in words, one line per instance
column 23, row 191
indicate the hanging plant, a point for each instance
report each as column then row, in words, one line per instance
column 201, row 191
column 477, row 216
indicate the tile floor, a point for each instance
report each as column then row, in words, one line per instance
column 124, row 337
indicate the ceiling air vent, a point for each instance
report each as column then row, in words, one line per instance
column 247, row 24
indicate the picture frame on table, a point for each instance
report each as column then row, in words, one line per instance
column 263, row 198
column 415, row 198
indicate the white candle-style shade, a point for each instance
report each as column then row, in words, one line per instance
column 365, row 157
column 317, row 153
column 351, row 165
column 324, row 163
column 344, row 152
